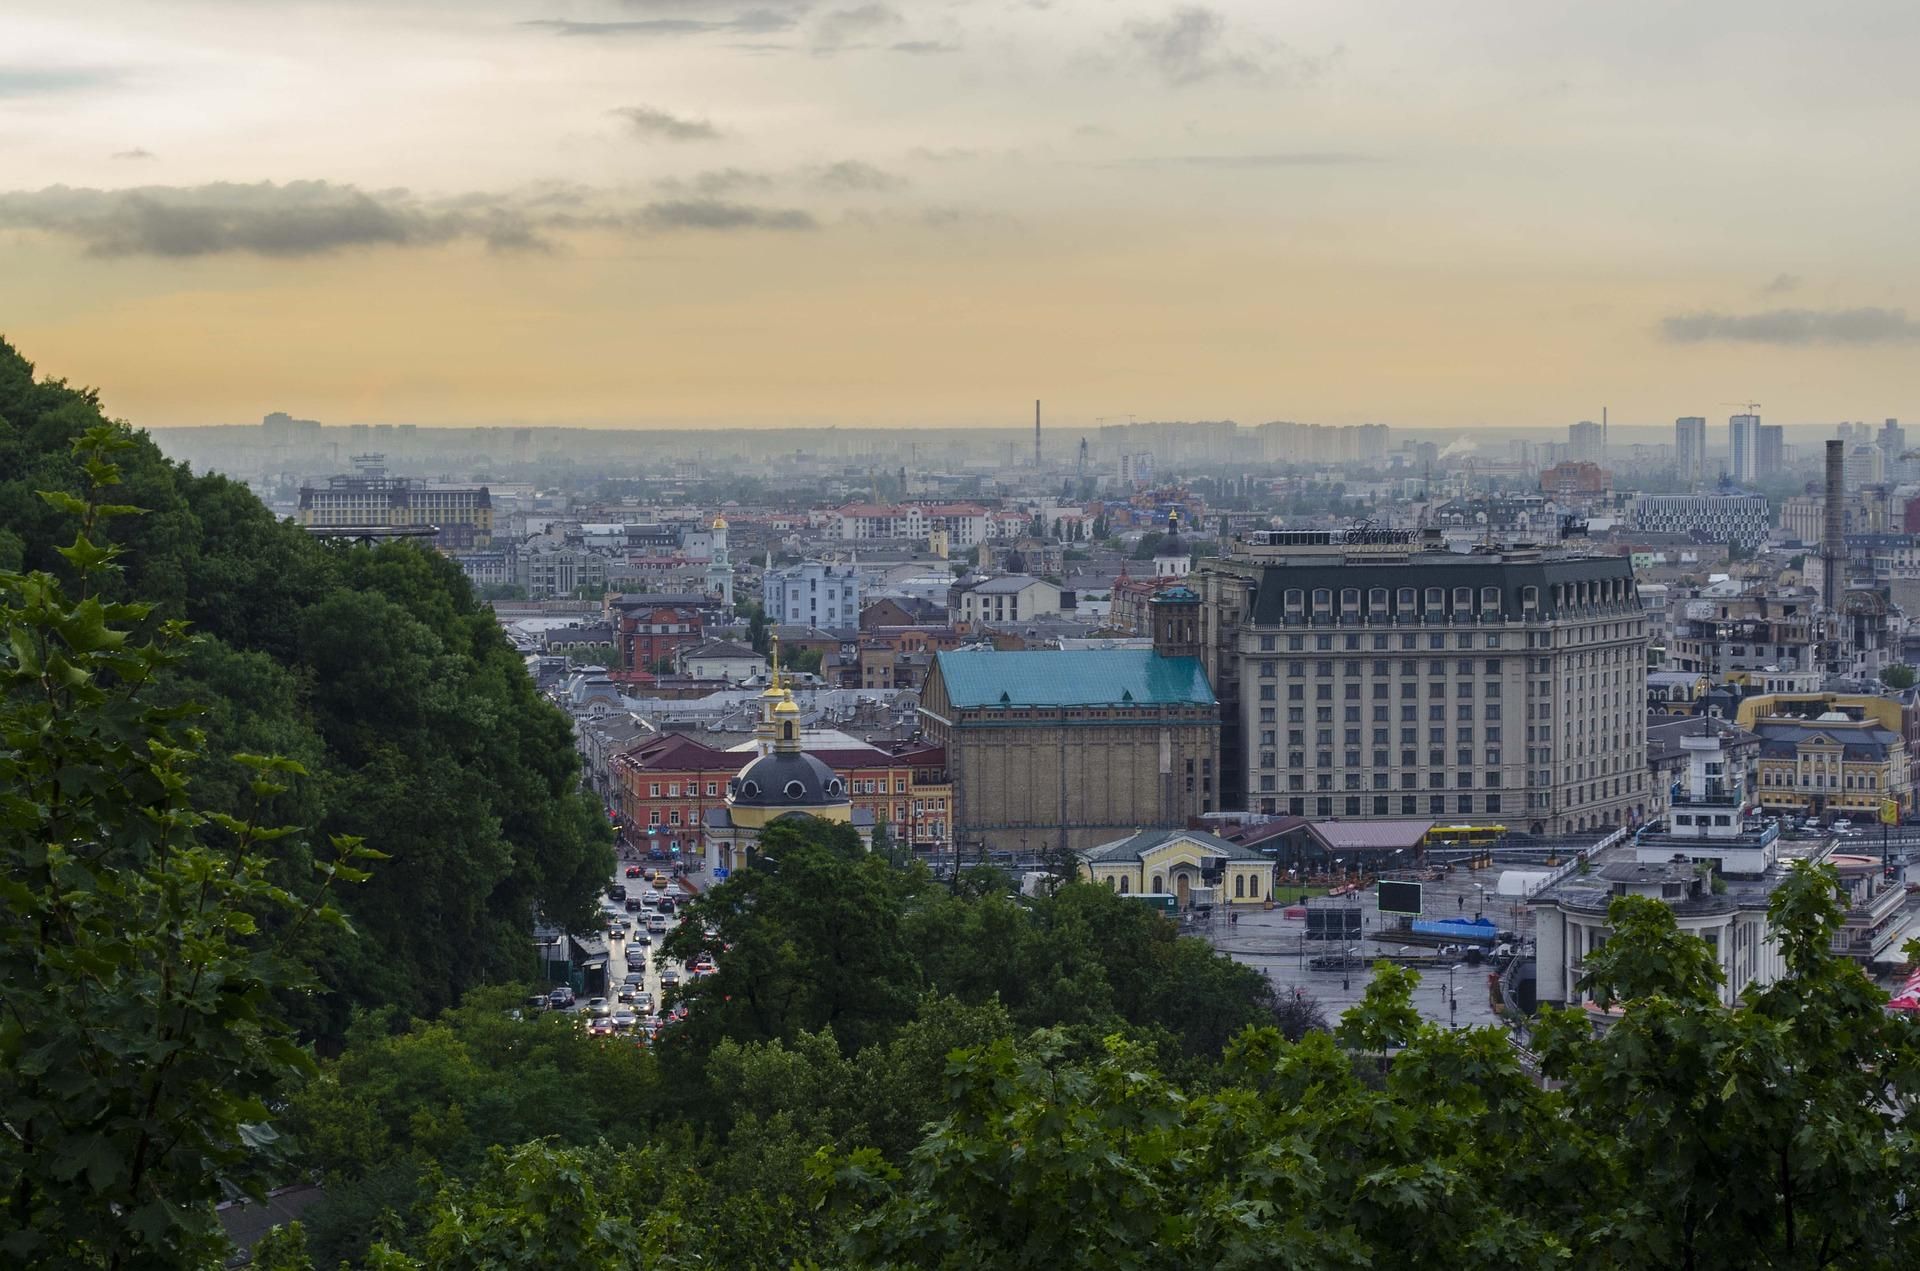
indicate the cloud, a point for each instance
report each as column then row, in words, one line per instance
column 315, row 218
column 135, row 153
column 647, row 121
column 1781, row 283
column 945, row 154
column 1793, row 327
column 923, row 48
column 1278, row 159
column 751, row 22
column 850, row 176
column 715, row 215
column 1191, row 45
column 845, row 28
column 40, row 81
column 719, row 181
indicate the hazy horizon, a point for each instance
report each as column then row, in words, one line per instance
column 688, row 213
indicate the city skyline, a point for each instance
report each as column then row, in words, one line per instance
column 678, row 212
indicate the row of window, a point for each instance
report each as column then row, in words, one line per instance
column 1409, row 640
column 1245, row 886
column 1409, row 805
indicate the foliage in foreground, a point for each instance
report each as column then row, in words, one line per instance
column 962, row 1134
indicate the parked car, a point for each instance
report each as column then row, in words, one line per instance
column 538, row 1002
column 560, row 998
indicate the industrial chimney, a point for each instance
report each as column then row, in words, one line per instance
column 1036, row 432
column 1833, row 545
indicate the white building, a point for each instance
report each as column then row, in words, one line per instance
column 1010, row 598
column 1743, row 448
column 860, row 521
column 1716, row 875
column 720, row 564
column 1723, row 518
column 812, row 594
column 722, row 660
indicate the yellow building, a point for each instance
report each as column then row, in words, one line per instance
column 782, row 781
column 1883, row 710
column 1831, row 765
column 463, row 514
column 1195, row 867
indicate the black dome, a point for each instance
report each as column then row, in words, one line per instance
column 786, row 781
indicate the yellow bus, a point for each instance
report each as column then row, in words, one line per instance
column 1464, row 835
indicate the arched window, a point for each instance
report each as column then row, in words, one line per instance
column 1322, row 598
column 1350, row 600
column 1406, row 602
column 1436, row 599
column 1253, row 887
column 1156, row 885
column 1126, row 884
column 1113, row 882
column 1296, row 598
column 1377, row 601
column 1239, row 886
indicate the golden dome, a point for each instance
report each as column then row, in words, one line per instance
column 719, row 522
column 786, row 706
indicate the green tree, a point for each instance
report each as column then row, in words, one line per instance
column 143, row 937
column 806, row 938
column 1898, row 676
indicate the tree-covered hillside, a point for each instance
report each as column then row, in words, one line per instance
column 375, row 669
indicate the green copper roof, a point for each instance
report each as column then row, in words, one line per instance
column 1073, row 677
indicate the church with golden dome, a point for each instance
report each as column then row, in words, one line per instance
column 782, row 780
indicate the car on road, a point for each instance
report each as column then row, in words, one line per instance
column 636, row 959
column 666, row 905
column 616, row 891
column 560, row 998
column 624, row 997
column 643, row 1002
column 651, row 896
column 669, row 978
column 704, row 967
column 657, row 924
column 625, row 1021
column 640, row 938
column 633, row 871
column 600, row 1027
column 632, row 906
column 598, row 1008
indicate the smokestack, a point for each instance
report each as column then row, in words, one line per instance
column 1036, row 432
column 1603, row 434
column 1833, row 528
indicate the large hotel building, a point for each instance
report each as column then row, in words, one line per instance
column 1369, row 673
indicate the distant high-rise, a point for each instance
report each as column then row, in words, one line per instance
column 1690, row 446
column 1743, row 448
column 1770, row 459
column 1586, row 442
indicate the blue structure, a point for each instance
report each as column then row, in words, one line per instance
column 1470, row 930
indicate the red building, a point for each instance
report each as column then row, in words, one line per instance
column 666, row 785
column 650, row 628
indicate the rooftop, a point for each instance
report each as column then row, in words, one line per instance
column 1139, row 843
column 1077, row 677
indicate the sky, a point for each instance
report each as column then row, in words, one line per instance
column 896, row 213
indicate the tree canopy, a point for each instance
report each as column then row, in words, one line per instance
column 375, row 669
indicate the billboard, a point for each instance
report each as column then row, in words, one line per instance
column 1328, row 922
column 1400, row 898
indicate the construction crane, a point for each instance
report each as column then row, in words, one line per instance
column 1751, row 408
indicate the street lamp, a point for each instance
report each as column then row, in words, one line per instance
column 1479, row 898
column 1453, row 999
